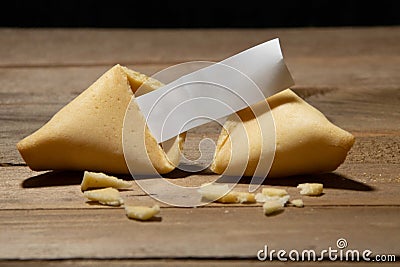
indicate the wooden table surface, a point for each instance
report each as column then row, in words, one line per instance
column 351, row 74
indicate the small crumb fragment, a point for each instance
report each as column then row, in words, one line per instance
column 106, row 196
column 269, row 194
column 212, row 191
column 271, row 207
column 218, row 193
column 101, row 180
column 141, row 213
column 272, row 192
column 237, row 197
column 297, row 203
column 263, row 198
column 311, row 189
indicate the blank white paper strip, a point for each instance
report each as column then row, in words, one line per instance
column 215, row 91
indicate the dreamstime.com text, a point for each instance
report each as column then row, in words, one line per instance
column 340, row 253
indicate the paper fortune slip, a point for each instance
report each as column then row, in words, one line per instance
column 216, row 91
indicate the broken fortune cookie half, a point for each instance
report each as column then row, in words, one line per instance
column 306, row 142
column 86, row 134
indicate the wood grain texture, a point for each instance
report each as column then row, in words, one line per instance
column 229, row 232
column 178, row 263
column 351, row 185
column 350, row 74
column 65, row 47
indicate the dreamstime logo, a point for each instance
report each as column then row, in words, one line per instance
column 341, row 243
column 200, row 101
column 331, row 254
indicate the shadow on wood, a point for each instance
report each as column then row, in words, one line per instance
column 62, row 178
column 96, row 203
column 329, row 180
column 53, row 178
column 177, row 173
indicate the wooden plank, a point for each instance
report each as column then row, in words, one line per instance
column 214, row 232
column 178, row 263
column 311, row 73
column 26, row 104
column 352, row 72
column 66, row 47
column 367, row 110
column 351, row 185
column 59, row 81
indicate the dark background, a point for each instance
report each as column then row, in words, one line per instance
column 198, row 14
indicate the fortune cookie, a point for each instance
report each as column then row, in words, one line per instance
column 305, row 141
column 86, row 134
